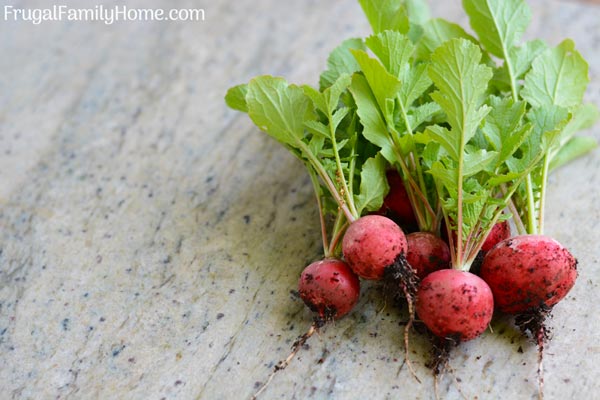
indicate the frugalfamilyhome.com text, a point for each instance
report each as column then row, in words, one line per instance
column 106, row 14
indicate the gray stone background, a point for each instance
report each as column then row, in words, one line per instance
column 150, row 237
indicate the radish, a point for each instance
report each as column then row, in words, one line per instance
column 312, row 124
column 529, row 271
column 455, row 304
column 499, row 232
column 372, row 243
column 396, row 205
column 529, row 274
column 426, row 253
column 375, row 248
column 329, row 288
column 465, row 150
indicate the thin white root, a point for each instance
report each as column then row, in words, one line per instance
column 411, row 318
column 540, row 371
column 456, row 382
column 284, row 363
column 436, row 387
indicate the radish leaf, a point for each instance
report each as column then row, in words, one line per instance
column 236, row 98
column 386, row 15
column 499, row 25
column 574, row 148
column 437, row 31
column 341, row 61
column 373, row 185
column 393, row 49
column 461, row 83
column 277, row 108
column 383, row 84
column 558, row 76
column 504, row 128
column 374, row 126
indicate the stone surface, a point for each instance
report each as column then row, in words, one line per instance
column 150, row 238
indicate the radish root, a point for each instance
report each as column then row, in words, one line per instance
column 298, row 343
column 440, row 364
column 532, row 322
column 401, row 274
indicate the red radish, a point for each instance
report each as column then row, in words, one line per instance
column 529, row 271
column 455, row 304
column 528, row 274
column 375, row 246
column 427, row 253
column 396, row 205
column 500, row 231
column 329, row 288
column 372, row 243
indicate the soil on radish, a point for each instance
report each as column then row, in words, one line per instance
column 528, row 271
column 328, row 311
column 532, row 322
column 440, row 353
column 401, row 275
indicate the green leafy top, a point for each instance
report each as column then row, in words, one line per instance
column 389, row 95
column 469, row 136
column 386, row 15
column 486, row 152
column 559, row 76
column 319, row 129
column 500, row 25
column 340, row 62
column 461, row 82
column 551, row 82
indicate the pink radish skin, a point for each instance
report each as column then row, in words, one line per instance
column 455, row 304
column 371, row 243
column 427, row 253
column 500, row 232
column 329, row 288
column 528, row 271
column 396, row 204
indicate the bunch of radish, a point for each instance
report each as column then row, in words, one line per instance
column 417, row 129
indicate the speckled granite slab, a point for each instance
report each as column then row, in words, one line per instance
column 150, row 238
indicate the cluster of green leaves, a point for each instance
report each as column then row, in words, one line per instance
column 494, row 129
column 473, row 124
column 550, row 80
column 392, row 105
column 320, row 127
